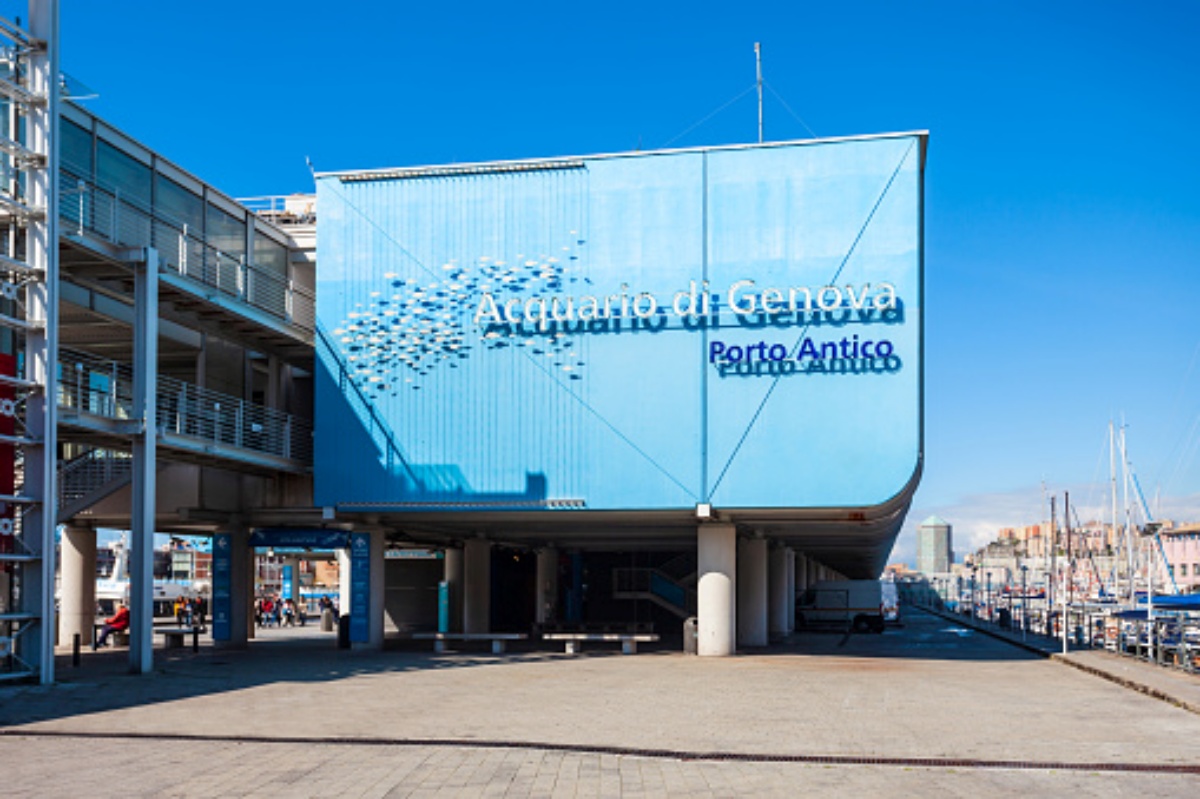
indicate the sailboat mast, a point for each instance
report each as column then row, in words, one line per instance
column 758, row 70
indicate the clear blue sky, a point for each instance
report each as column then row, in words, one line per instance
column 1062, row 224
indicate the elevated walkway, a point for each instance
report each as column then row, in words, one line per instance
column 199, row 284
column 195, row 425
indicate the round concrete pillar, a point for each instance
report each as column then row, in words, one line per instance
column 546, row 595
column 77, row 612
column 789, row 562
column 752, row 592
column 777, row 615
column 716, row 600
column 477, row 586
column 452, row 573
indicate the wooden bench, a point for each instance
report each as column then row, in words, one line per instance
column 175, row 637
column 499, row 640
column 629, row 641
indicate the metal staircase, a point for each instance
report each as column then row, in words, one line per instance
column 655, row 586
column 88, row 478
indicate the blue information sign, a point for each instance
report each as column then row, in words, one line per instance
column 222, row 584
column 360, row 587
column 289, row 584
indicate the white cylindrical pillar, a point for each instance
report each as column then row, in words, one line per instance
column 77, row 611
column 752, row 592
column 789, row 562
column 452, row 573
column 777, row 613
column 343, row 561
column 477, row 586
column 547, row 586
column 716, row 600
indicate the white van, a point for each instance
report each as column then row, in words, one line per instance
column 857, row 604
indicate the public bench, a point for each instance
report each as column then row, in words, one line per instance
column 118, row 637
column 498, row 640
column 629, row 641
column 176, row 637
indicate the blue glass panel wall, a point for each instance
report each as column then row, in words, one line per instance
column 740, row 326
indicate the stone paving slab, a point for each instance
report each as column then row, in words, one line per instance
column 38, row 767
column 933, row 689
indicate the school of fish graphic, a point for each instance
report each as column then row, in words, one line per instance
column 410, row 326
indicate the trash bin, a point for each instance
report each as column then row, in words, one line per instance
column 344, row 632
column 690, row 627
column 327, row 620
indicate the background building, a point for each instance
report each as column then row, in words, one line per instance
column 935, row 546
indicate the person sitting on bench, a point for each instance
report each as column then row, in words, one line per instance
column 117, row 623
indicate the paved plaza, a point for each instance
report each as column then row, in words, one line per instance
column 932, row 708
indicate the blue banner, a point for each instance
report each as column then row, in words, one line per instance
column 222, row 586
column 360, row 587
column 289, row 584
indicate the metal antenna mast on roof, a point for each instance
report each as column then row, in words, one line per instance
column 758, row 69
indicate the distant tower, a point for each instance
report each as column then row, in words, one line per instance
column 935, row 551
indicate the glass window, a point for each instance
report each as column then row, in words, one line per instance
column 117, row 171
column 75, row 145
column 226, row 233
column 269, row 255
column 178, row 204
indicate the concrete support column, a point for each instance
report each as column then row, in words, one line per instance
column 376, row 595
column 77, row 610
column 145, row 464
column 452, row 573
column 547, row 586
column 813, row 573
column 717, row 589
column 801, row 574
column 477, row 586
column 789, row 562
column 752, row 592
column 777, row 615
column 232, row 605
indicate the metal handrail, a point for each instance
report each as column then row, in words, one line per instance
column 87, row 206
column 105, row 388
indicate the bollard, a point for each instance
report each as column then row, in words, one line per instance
column 75, row 650
column 195, row 639
column 689, row 635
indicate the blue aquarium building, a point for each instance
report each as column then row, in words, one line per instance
column 715, row 350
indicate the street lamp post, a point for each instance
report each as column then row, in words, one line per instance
column 1024, row 602
column 987, row 597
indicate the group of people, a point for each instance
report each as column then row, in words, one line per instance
column 272, row 611
column 190, row 611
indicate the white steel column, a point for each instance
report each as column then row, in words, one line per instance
column 777, row 617
column 477, row 584
column 452, row 573
column 145, row 463
column 41, row 341
column 752, row 592
column 78, row 608
column 716, row 601
column 789, row 562
column 546, row 593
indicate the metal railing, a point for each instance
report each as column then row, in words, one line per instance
column 86, row 207
column 105, row 388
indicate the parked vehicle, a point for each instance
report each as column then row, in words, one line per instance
column 838, row 604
